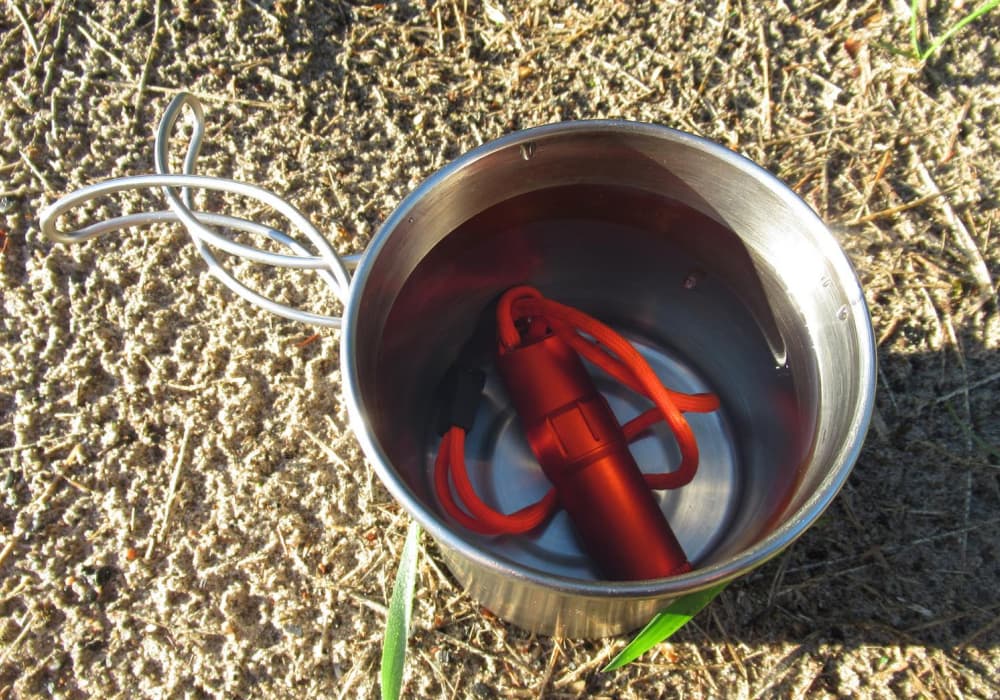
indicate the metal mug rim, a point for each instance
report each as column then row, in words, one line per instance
column 734, row 567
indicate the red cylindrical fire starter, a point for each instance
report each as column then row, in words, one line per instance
column 584, row 453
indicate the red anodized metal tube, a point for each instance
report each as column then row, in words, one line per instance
column 584, row 453
column 575, row 436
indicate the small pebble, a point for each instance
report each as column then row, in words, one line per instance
column 105, row 574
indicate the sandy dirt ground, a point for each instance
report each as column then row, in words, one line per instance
column 169, row 526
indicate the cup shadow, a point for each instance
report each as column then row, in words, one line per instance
column 909, row 551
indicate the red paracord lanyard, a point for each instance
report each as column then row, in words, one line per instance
column 525, row 317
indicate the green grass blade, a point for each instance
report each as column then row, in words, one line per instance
column 397, row 627
column 664, row 624
column 957, row 27
column 914, row 9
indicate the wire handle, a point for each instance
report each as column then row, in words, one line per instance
column 332, row 268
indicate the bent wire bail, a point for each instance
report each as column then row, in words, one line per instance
column 330, row 266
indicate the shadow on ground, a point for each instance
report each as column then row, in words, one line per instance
column 909, row 552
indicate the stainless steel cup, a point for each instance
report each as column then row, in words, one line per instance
column 723, row 278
